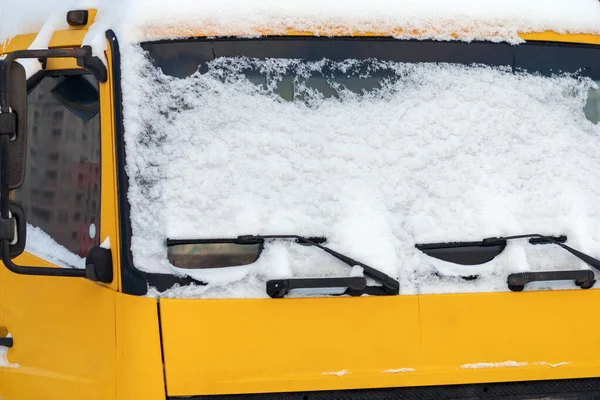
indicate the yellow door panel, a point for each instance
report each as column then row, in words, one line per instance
column 139, row 371
column 250, row 346
column 238, row 346
column 64, row 338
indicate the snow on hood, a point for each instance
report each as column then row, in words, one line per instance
column 469, row 19
column 446, row 153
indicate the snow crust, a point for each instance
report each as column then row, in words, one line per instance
column 467, row 19
column 440, row 153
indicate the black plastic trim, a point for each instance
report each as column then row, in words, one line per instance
column 583, row 389
column 133, row 281
column 584, row 278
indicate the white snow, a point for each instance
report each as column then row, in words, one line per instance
column 4, row 363
column 467, row 19
column 511, row 364
column 56, row 21
column 505, row 364
column 40, row 244
column 446, row 153
column 106, row 243
column 560, row 364
column 338, row 373
column 397, row 371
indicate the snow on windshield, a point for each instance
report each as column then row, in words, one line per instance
column 468, row 19
column 437, row 153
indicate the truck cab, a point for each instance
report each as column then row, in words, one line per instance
column 112, row 288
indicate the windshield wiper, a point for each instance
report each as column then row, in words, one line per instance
column 390, row 286
column 488, row 248
column 589, row 260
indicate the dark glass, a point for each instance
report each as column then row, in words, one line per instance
column 61, row 192
column 182, row 58
column 212, row 255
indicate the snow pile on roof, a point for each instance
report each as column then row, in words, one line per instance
column 445, row 153
column 469, row 19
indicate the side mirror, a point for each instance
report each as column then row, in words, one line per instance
column 15, row 123
column 98, row 265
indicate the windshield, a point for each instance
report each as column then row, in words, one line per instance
column 372, row 143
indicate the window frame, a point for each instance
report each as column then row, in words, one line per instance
column 135, row 281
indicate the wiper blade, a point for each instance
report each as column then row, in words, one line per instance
column 475, row 253
column 472, row 253
column 390, row 285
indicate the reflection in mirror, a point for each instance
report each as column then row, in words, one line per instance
column 212, row 255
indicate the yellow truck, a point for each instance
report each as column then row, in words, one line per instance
column 81, row 318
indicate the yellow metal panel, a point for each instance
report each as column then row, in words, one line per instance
column 242, row 346
column 63, row 330
column 556, row 37
column 109, row 220
column 139, row 370
column 239, row 346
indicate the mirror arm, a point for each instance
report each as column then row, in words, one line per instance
column 84, row 52
column 17, row 269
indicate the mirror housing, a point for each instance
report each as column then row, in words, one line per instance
column 14, row 123
column 17, row 245
column 98, row 265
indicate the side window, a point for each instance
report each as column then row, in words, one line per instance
column 61, row 191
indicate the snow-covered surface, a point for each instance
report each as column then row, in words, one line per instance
column 512, row 364
column 560, row 364
column 468, row 19
column 4, row 363
column 337, row 373
column 444, row 153
column 397, row 371
column 40, row 244
column 56, row 21
column 505, row 364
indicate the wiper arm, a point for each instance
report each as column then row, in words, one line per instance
column 390, row 285
column 589, row 260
